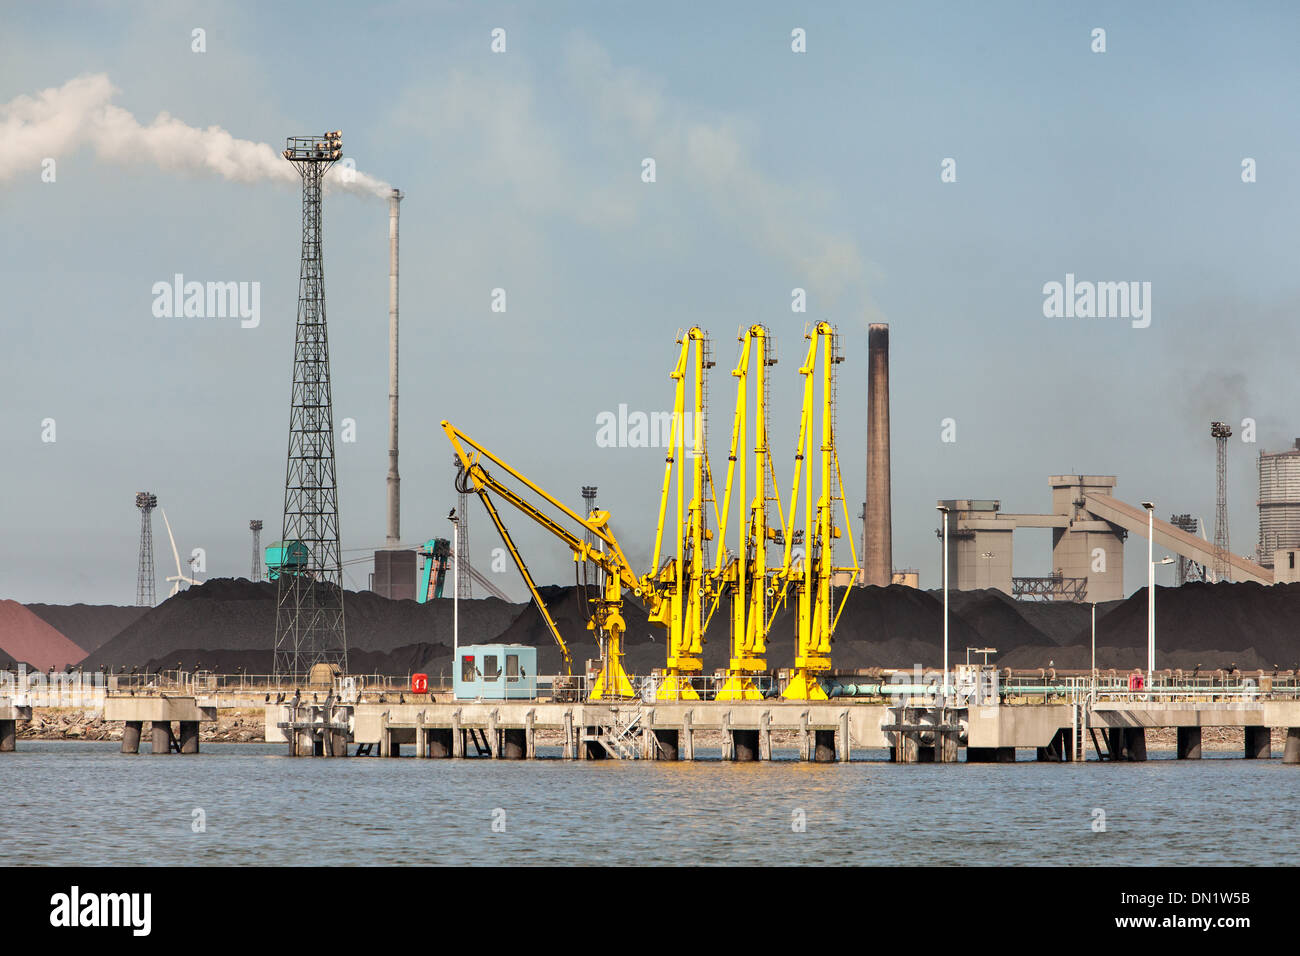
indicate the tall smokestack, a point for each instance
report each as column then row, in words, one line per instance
column 878, row 550
column 394, row 482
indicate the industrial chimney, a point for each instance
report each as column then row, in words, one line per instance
column 394, row 482
column 878, row 550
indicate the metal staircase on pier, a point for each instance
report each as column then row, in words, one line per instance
column 618, row 739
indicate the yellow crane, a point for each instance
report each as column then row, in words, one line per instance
column 745, row 577
column 812, row 574
column 607, row 620
column 682, row 581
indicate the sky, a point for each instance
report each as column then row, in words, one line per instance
column 522, row 170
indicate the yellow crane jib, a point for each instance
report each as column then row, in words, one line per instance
column 813, row 574
column 607, row 619
column 681, row 582
column 745, row 578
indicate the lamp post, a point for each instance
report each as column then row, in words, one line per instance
column 1092, row 680
column 1151, row 590
column 455, row 589
column 944, row 510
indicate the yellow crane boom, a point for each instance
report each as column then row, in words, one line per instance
column 745, row 577
column 681, row 582
column 607, row 622
column 813, row 574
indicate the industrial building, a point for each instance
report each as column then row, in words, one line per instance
column 1279, row 503
column 1089, row 526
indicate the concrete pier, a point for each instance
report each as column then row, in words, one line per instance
column 666, row 740
column 1259, row 743
column 161, row 737
column 131, row 731
column 515, row 744
column 1189, row 743
column 744, row 745
column 189, row 739
column 1291, row 754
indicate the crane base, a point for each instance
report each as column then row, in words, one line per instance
column 676, row 687
column 804, row 686
column 739, row 687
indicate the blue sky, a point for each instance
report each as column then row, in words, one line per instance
column 522, row 171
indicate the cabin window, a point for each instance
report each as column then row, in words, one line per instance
column 512, row 667
column 490, row 670
column 467, row 669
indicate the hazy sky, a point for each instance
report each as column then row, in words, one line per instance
column 522, row 171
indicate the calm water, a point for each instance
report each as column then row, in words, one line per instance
column 84, row 803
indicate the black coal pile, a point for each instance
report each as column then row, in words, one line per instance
column 87, row 625
column 224, row 624
column 1210, row 626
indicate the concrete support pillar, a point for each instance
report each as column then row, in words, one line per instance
column 593, row 749
column 667, row 744
column 744, row 745
column 1259, row 743
column 824, row 742
column 189, row 736
column 765, row 735
column 1135, row 743
column 728, row 743
column 844, row 750
column 530, row 735
column 457, row 736
column 1058, row 749
column 161, row 736
column 421, row 745
column 687, row 738
column 1189, row 743
column 8, row 736
column 130, row 736
column 339, row 743
column 516, row 743
column 1291, row 754
column 385, row 741
column 805, row 738
column 1116, row 742
column 493, row 736
column 440, row 742
column 570, row 745
column 306, row 743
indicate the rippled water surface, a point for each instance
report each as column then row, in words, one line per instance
column 84, row 803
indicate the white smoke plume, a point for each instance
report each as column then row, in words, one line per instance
column 80, row 113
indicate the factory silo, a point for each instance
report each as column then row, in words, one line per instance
column 1279, row 502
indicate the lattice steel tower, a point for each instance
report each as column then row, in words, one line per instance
column 1222, row 568
column 309, row 591
column 255, row 526
column 1188, row 570
column 464, row 590
column 589, row 505
column 144, row 581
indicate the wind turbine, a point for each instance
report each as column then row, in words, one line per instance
column 179, row 576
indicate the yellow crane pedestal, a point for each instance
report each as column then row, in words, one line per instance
column 740, row 684
column 676, row 685
column 804, row 684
